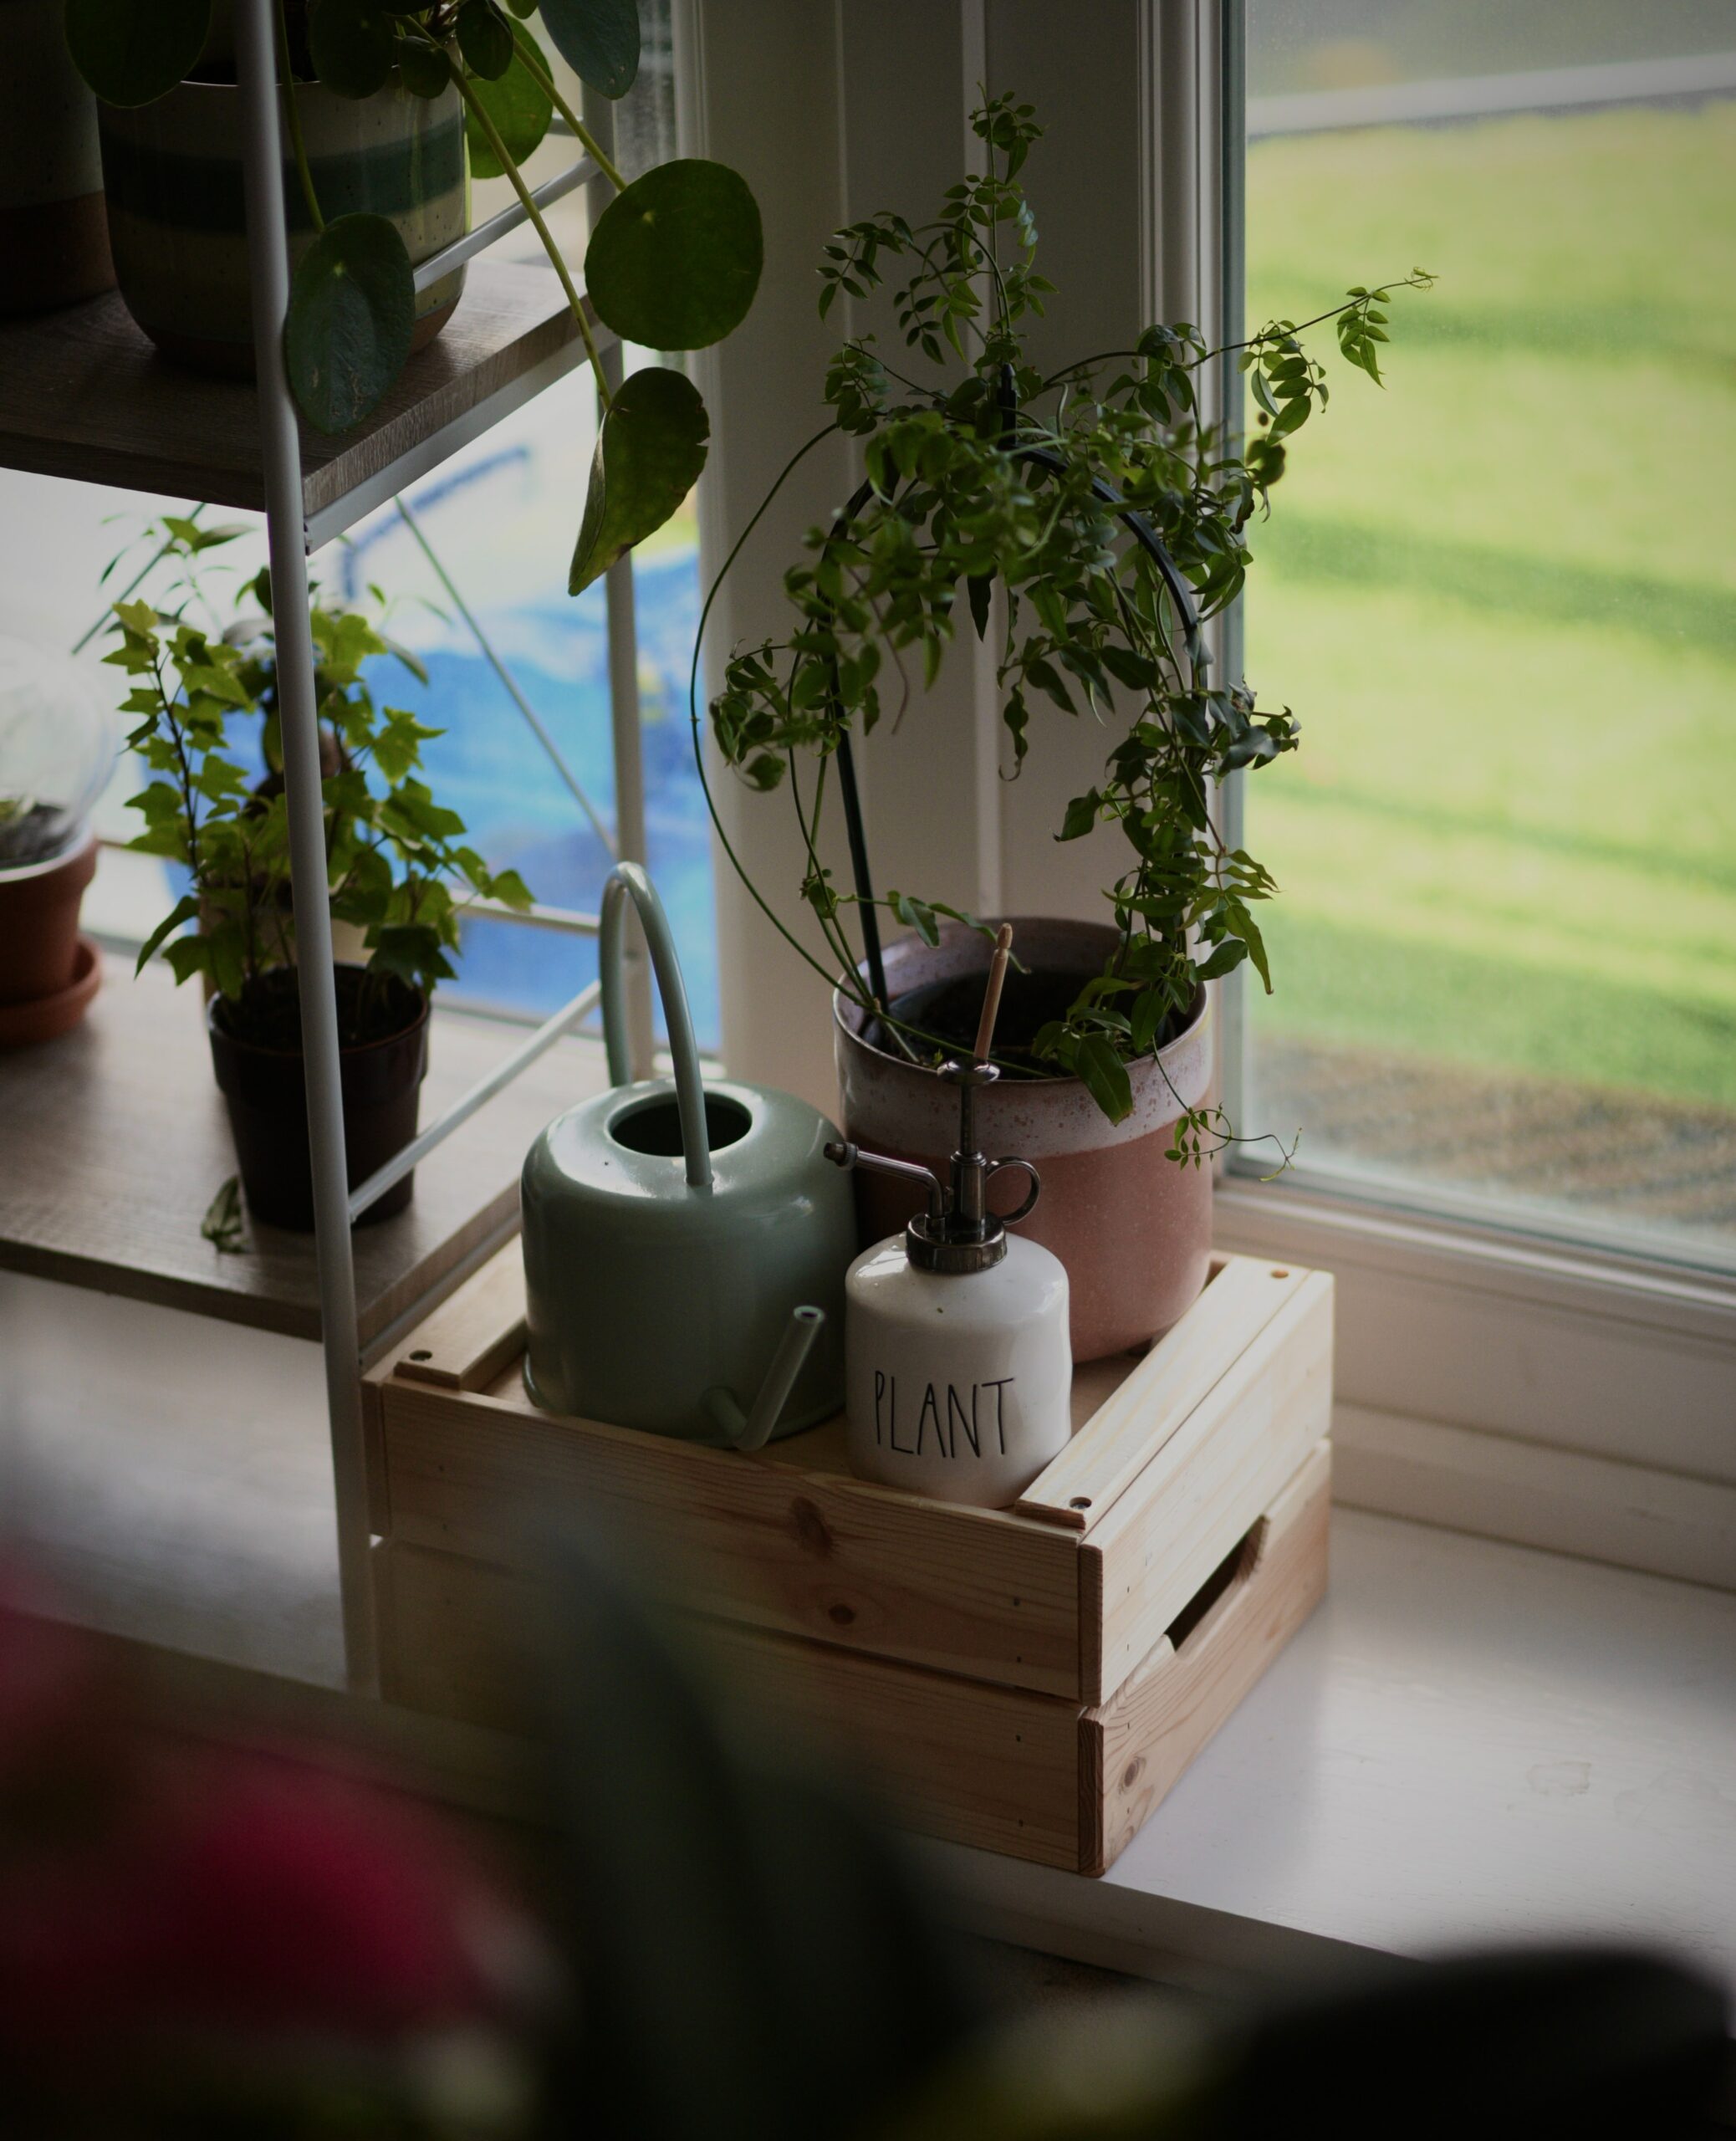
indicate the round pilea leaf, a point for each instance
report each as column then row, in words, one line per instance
column 519, row 104
column 425, row 68
column 650, row 453
column 599, row 39
column 523, row 7
column 352, row 47
column 352, row 306
column 131, row 51
column 485, row 38
column 675, row 259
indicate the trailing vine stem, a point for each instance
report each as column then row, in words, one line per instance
column 491, row 133
column 582, row 134
column 968, row 489
column 292, row 106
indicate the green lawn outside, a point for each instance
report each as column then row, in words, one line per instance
column 1502, row 596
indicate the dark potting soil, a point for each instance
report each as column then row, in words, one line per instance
column 946, row 1013
column 371, row 1007
column 32, row 836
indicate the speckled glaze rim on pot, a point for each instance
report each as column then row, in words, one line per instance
column 1035, row 1118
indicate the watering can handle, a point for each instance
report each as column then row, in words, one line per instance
column 628, row 881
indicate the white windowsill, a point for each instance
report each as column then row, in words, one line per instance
column 1469, row 1741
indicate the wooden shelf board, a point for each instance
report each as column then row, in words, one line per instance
column 115, row 1142
column 86, row 395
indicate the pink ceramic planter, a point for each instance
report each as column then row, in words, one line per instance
column 1133, row 1228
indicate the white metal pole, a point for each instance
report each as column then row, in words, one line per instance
column 280, row 449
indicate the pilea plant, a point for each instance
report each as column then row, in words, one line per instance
column 397, row 864
column 1111, row 516
column 672, row 263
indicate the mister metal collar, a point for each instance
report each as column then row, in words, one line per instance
column 957, row 1234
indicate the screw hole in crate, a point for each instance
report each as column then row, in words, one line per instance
column 1079, row 1501
column 421, row 1353
column 1280, row 1274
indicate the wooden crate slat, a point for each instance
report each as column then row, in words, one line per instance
column 1170, row 1706
column 475, row 1336
column 998, row 1768
column 972, row 1591
column 1203, row 1488
column 1155, row 1394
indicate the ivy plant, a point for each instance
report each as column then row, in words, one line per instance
column 1005, row 500
column 397, row 864
column 672, row 263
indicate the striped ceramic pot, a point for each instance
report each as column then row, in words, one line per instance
column 53, row 236
column 1133, row 1227
column 177, row 218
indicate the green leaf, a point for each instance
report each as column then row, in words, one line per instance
column 352, row 47
column 599, row 39
column 352, row 307
column 485, row 38
column 1081, row 816
column 674, row 261
column 1229, row 955
column 1105, row 1075
column 426, row 68
column 221, row 1223
column 519, row 104
column 980, row 587
column 185, row 909
column 650, row 452
column 131, row 51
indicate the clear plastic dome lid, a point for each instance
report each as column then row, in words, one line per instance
column 57, row 744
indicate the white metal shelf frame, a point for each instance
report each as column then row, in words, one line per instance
column 292, row 535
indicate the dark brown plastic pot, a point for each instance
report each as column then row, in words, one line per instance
column 39, row 925
column 265, row 1090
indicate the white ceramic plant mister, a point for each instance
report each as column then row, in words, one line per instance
column 958, row 1373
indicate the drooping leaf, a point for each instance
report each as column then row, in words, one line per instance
column 485, row 38
column 980, row 588
column 675, row 260
column 1105, row 1075
column 518, row 104
column 131, row 51
column 599, row 39
column 650, row 452
column 352, row 307
column 425, row 68
column 352, row 46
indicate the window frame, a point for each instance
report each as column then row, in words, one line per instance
column 1487, row 1379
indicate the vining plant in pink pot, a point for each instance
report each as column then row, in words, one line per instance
column 1086, row 521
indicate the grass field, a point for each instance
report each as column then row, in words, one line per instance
column 1502, row 596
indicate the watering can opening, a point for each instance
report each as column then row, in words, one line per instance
column 654, row 1125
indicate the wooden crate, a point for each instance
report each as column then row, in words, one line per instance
column 1032, row 1680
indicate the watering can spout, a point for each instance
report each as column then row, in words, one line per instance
column 752, row 1429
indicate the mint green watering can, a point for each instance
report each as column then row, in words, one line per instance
column 685, row 1245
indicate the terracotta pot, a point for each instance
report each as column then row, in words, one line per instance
column 1133, row 1228
column 265, row 1091
column 177, row 219
column 54, row 233
column 40, row 924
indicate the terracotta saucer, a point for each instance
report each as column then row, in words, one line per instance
column 46, row 1018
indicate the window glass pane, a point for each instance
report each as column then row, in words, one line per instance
column 1502, row 596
